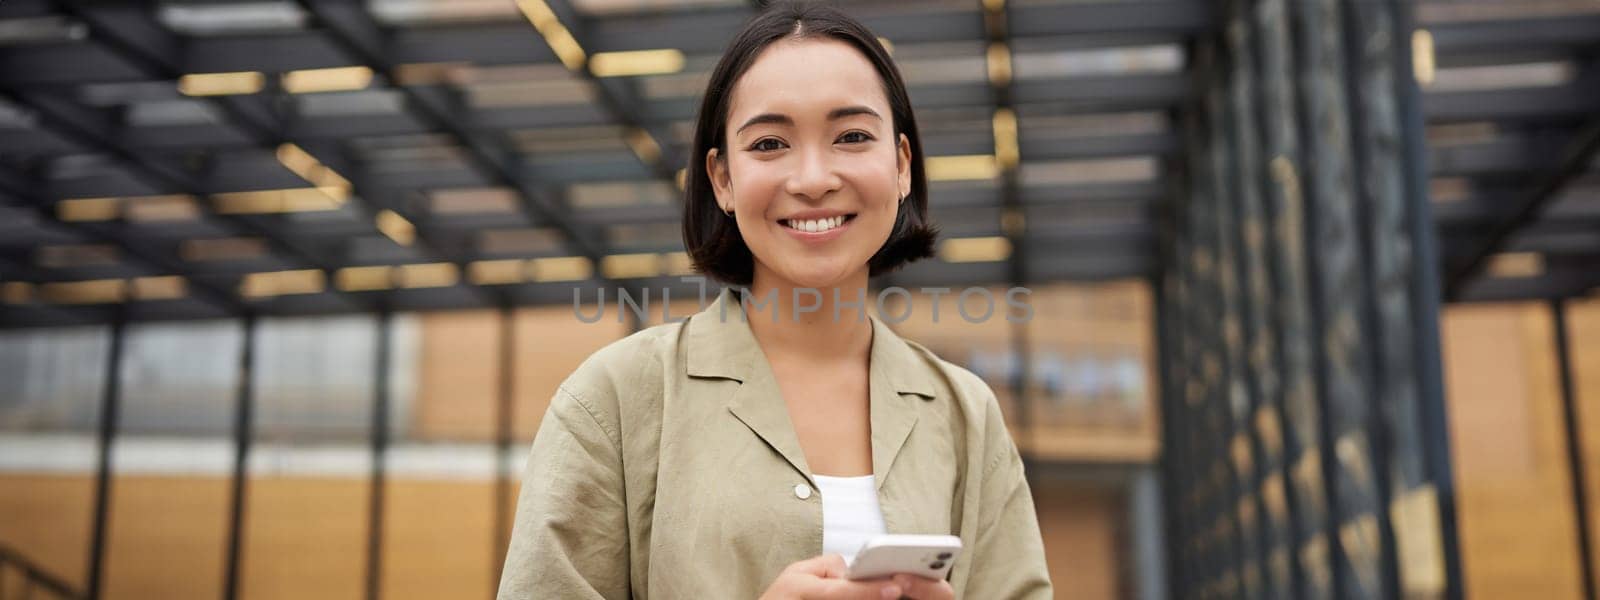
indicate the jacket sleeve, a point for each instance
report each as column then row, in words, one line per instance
column 570, row 537
column 1008, row 557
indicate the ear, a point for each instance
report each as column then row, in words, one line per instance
column 717, row 172
column 903, row 165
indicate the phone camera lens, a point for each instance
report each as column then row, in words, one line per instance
column 937, row 565
column 944, row 556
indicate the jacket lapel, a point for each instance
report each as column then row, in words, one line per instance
column 722, row 346
column 899, row 380
column 759, row 404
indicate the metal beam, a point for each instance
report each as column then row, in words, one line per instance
column 1039, row 147
column 1507, row 155
column 427, row 236
column 243, row 430
column 1066, row 95
column 504, row 415
column 18, row 270
column 1101, row 17
column 1575, row 160
column 1101, row 93
column 156, row 57
column 1492, row 201
column 358, row 36
column 1562, row 278
column 698, row 32
column 110, row 405
column 704, row 32
column 1568, row 32
column 133, row 32
column 91, row 129
column 376, row 489
column 1233, row 390
column 157, row 260
column 1433, row 422
column 33, row 576
column 1557, row 103
column 1573, row 427
column 623, row 99
column 1173, row 461
column 1254, row 295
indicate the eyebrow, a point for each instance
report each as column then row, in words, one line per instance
column 833, row 115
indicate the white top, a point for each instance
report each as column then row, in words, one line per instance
column 850, row 513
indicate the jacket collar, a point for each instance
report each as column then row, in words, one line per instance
column 724, row 347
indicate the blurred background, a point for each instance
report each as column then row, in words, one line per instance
column 286, row 285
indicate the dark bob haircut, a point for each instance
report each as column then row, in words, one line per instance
column 712, row 237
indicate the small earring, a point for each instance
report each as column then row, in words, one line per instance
column 727, row 211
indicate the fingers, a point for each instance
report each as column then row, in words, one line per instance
column 833, row 566
column 827, row 566
column 844, row 589
column 922, row 588
column 823, row 578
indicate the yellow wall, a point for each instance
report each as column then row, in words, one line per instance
column 1081, row 528
column 1517, row 526
column 168, row 537
column 439, row 540
column 47, row 519
column 458, row 376
column 305, row 538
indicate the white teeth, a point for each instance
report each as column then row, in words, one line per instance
column 817, row 225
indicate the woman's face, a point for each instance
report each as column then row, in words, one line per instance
column 813, row 170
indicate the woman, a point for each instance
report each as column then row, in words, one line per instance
column 740, row 454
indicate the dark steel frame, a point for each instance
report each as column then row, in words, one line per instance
column 504, row 417
column 110, row 407
column 243, row 437
column 1577, row 468
column 380, row 446
column 1357, row 294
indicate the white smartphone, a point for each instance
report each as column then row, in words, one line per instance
column 921, row 555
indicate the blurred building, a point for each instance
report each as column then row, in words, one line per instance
column 286, row 285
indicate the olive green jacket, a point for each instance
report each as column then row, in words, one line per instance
column 667, row 468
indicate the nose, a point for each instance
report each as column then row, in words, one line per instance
column 814, row 177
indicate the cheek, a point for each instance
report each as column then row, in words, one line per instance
column 874, row 176
column 754, row 182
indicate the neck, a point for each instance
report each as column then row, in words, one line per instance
column 786, row 323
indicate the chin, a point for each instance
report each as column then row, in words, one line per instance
column 820, row 278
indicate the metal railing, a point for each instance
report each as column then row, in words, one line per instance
column 34, row 578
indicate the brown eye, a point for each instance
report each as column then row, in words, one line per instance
column 855, row 137
column 766, row 145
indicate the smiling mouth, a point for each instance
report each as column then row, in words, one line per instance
column 817, row 225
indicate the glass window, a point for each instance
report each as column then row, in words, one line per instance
column 440, row 465
column 172, row 460
column 51, row 384
column 306, row 523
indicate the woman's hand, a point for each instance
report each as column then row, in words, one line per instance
column 823, row 578
column 922, row 588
